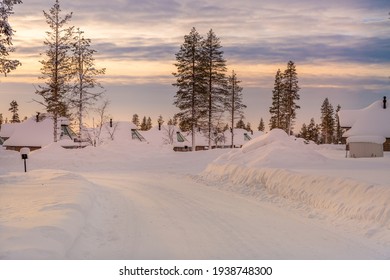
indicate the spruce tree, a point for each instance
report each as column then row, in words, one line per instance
column 84, row 93
column 215, row 69
column 290, row 96
column 144, row 125
column 313, row 131
column 160, row 120
column 1, row 120
column 6, row 33
column 14, row 108
column 240, row 124
column 149, row 124
column 135, row 120
column 261, row 126
column 248, row 127
column 56, row 69
column 190, row 81
column 304, row 133
column 233, row 102
column 277, row 108
column 327, row 122
column 339, row 132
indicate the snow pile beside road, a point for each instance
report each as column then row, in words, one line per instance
column 46, row 214
column 274, row 149
column 274, row 165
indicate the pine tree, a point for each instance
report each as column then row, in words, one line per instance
column 14, row 108
column 215, row 69
column 149, row 124
column 327, row 122
column 277, row 109
column 339, row 132
column 135, row 120
column 290, row 96
column 313, row 131
column 84, row 94
column 1, row 120
column 6, row 33
column 190, row 81
column 160, row 121
column 303, row 133
column 248, row 127
column 240, row 124
column 233, row 102
column 56, row 69
column 261, row 126
column 144, row 125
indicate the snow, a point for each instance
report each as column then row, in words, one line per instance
column 372, row 120
column 7, row 129
column 366, row 139
column 275, row 198
column 33, row 134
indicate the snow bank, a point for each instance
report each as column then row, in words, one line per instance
column 265, row 168
column 274, row 149
column 52, row 208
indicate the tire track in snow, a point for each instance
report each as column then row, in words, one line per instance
column 159, row 216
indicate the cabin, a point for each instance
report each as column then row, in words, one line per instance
column 37, row 132
column 367, row 131
column 117, row 131
column 168, row 135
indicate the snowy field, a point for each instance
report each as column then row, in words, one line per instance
column 276, row 198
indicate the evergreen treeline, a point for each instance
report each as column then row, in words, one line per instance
column 146, row 123
column 328, row 131
column 284, row 97
column 204, row 91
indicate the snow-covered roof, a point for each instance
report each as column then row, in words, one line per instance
column 166, row 136
column 7, row 129
column 366, row 139
column 119, row 131
column 370, row 121
column 34, row 134
column 348, row 117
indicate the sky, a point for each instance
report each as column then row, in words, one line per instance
column 341, row 50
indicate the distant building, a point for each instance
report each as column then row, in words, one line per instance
column 35, row 133
column 367, row 130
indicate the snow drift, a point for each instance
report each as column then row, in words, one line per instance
column 273, row 165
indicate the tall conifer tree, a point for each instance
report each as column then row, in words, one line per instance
column 327, row 122
column 56, row 69
column 135, row 120
column 261, row 126
column 190, row 81
column 290, row 95
column 234, row 104
column 215, row 69
column 6, row 33
column 83, row 92
column 14, row 108
column 277, row 108
column 339, row 132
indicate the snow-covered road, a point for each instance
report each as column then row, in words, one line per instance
column 143, row 202
column 140, row 216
